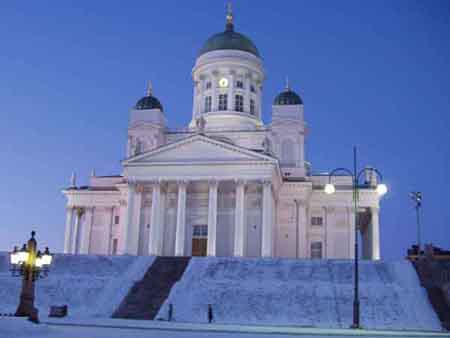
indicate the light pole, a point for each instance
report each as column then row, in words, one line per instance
column 31, row 264
column 381, row 189
column 416, row 196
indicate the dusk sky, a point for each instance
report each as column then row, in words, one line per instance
column 375, row 74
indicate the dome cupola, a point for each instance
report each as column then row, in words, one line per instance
column 149, row 101
column 229, row 39
column 287, row 97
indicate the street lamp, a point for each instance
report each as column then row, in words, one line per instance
column 31, row 264
column 381, row 189
column 416, row 196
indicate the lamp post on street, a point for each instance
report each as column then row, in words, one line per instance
column 30, row 264
column 381, row 189
column 416, row 196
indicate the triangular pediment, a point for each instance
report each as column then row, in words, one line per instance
column 198, row 148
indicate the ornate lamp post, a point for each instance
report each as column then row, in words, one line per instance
column 381, row 190
column 31, row 264
column 416, row 196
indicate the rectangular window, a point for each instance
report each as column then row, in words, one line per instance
column 317, row 221
column 252, row 107
column 239, row 103
column 208, row 85
column 316, row 250
column 252, row 89
column 114, row 246
column 239, row 84
column 208, row 104
column 200, row 231
column 223, row 102
column 116, row 219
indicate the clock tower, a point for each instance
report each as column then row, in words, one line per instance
column 228, row 76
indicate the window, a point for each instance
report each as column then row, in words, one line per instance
column 287, row 153
column 252, row 89
column 208, row 104
column 316, row 250
column 223, row 101
column 200, row 231
column 208, row 85
column 317, row 220
column 116, row 219
column 252, row 107
column 114, row 246
column 239, row 84
column 239, row 103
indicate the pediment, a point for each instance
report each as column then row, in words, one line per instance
column 197, row 149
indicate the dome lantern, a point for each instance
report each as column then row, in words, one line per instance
column 149, row 101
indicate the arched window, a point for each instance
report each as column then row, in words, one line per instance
column 287, row 153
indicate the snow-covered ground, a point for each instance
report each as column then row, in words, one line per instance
column 92, row 286
column 315, row 293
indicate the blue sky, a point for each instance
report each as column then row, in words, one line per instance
column 374, row 74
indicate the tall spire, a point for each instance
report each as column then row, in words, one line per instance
column 73, row 180
column 229, row 26
column 288, row 86
column 149, row 88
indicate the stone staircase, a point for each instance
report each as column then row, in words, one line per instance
column 146, row 296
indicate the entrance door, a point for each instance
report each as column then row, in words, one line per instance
column 199, row 240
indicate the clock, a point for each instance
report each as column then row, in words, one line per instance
column 223, row 82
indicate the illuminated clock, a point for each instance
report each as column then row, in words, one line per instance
column 223, row 82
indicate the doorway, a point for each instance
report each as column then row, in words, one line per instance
column 199, row 239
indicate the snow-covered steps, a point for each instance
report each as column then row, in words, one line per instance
column 92, row 286
column 145, row 298
column 316, row 293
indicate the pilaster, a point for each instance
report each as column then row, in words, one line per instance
column 212, row 219
column 180, row 237
column 240, row 232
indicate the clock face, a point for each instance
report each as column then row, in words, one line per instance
column 223, row 82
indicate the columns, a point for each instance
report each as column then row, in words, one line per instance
column 302, row 226
column 68, row 231
column 180, row 236
column 109, row 231
column 215, row 96
column 76, row 229
column 154, row 246
column 240, row 232
column 375, row 234
column 212, row 219
column 231, row 101
column 86, row 231
column 267, row 219
column 131, row 229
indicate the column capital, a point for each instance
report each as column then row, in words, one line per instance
column 266, row 181
column 80, row 211
column 240, row 181
column 300, row 203
column 213, row 183
column 183, row 182
column 375, row 209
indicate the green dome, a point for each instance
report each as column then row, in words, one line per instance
column 229, row 39
column 148, row 102
column 288, row 97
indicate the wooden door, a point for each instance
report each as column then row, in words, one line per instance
column 199, row 246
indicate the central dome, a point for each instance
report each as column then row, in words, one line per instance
column 229, row 39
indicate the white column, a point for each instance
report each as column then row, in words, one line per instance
column 68, row 232
column 375, row 234
column 137, row 219
column 154, row 233
column 76, row 229
column 109, row 231
column 351, row 242
column 231, row 102
column 215, row 96
column 302, row 229
column 266, row 242
column 240, row 232
column 86, row 231
column 212, row 219
column 180, row 236
column 131, row 229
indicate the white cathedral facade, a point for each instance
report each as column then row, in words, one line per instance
column 226, row 185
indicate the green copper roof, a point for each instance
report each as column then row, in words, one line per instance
column 229, row 39
column 288, row 97
column 148, row 102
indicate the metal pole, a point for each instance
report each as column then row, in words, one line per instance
column 418, row 205
column 355, row 324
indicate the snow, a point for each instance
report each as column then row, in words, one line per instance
column 311, row 293
column 92, row 286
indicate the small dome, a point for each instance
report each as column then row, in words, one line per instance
column 148, row 101
column 287, row 97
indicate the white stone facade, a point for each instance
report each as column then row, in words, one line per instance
column 226, row 185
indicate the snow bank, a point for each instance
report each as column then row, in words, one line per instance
column 89, row 285
column 300, row 292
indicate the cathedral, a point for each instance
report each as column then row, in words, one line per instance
column 227, row 184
